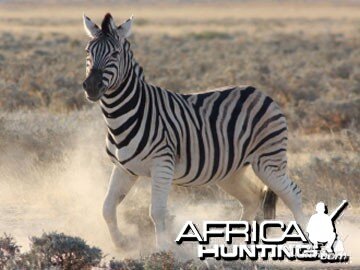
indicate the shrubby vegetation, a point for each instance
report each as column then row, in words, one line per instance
column 51, row 250
column 62, row 252
column 9, row 251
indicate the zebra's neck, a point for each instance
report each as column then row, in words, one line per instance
column 128, row 93
column 137, row 68
column 134, row 71
column 123, row 108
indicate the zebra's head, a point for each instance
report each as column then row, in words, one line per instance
column 107, row 59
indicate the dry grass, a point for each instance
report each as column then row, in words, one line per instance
column 314, row 78
column 305, row 56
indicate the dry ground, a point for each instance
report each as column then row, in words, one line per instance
column 305, row 56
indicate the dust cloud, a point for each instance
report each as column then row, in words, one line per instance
column 58, row 183
column 64, row 195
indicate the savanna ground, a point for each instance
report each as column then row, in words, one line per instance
column 53, row 167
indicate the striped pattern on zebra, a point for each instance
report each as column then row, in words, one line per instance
column 188, row 140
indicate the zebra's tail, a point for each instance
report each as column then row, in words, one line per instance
column 269, row 204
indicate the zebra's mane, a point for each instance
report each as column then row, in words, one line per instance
column 106, row 24
column 139, row 71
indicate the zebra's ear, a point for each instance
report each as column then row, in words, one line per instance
column 124, row 30
column 91, row 28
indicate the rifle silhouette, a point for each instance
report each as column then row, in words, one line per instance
column 335, row 214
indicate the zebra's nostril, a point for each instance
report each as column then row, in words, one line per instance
column 100, row 85
column 84, row 85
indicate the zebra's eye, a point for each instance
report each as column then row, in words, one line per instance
column 115, row 54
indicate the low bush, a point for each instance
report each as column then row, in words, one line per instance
column 9, row 252
column 60, row 251
column 51, row 250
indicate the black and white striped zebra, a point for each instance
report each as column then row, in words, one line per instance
column 188, row 140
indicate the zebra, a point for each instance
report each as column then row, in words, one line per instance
column 183, row 139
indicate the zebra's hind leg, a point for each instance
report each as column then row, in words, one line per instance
column 250, row 192
column 120, row 184
column 271, row 168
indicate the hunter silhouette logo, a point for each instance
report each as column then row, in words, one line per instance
column 241, row 240
column 321, row 228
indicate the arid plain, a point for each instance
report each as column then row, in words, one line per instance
column 53, row 167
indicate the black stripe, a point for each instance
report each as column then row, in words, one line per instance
column 128, row 90
column 267, row 138
column 172, row 108
column 213, row 120
column 245, row 127
column 145, row 137
column 168, row 119
column 155, row 146
column 232, row 124
column 272, row 160
column 128, row 107
column 200, row 99
column 135, row 130
column 158, row 118
column 186, row 107
column 164, row 155
column 270, row 154
column 121, row 86
column 267, row 123
column 114, row 157
column 256, row 119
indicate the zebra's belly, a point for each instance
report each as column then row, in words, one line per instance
column 134, row 167
column 194, row 178
column 142, row 168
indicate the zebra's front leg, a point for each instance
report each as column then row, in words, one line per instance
column 120, row 184
column 162, row 177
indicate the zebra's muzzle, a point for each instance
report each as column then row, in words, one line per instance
column 97, row 97
column 94, row 86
